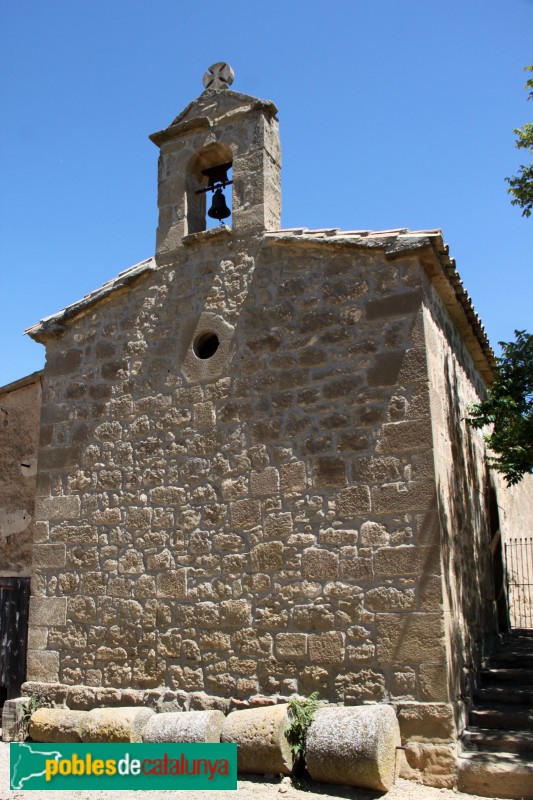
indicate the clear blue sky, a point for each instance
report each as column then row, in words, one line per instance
column 392, row 114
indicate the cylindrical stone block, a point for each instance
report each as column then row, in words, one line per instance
column 185, row 726
column 259, row 734
column 115, row 724
column 56, row 725
column 354, row 746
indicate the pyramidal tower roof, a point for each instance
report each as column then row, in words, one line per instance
column 217, row 101
column 221, row 103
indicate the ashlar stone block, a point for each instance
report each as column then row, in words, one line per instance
column 389, row 598
column 313, row 617
column 374, row 535
column 169, row 643
column 364, row 684
column 406, row 435
column 267, row 556
column 406, row 560
column 354, row 566
column 404, row 497
column 430, row 595
column 326, row 648
column 265, row 483
column 48, row 611
column 293, row 477
column 320, row 564
column 74, row 534
column 329, row 472
column 48, row 556
column 42, row 666
column 338, row 537
column 59, row 458
column 426, row 722
column 291, row 645
column 235, row 613
column 37, row 638
column 393, row 305
column 172, row 584
column 409, row 638
column 386, row 369
column 245, row 513
column 168, row 496
column 278, row 526
column 433, row 680
column 353, row 501
column 60, row 508
column 186, row 678
column 436, row 765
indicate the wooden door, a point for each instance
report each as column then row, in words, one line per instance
column 14, row 604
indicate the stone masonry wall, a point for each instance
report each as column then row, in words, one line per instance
column 463, row 486
column 269, row 531
column 20, row 405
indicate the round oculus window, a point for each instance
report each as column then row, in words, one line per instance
column 206, row 345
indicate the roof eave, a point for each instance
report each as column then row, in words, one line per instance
column 55, row 324
column 27, row 380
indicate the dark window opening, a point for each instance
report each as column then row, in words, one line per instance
column 206, row 345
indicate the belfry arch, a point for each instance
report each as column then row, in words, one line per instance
column 212, row 155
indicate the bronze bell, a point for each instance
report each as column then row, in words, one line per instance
column 219, row 209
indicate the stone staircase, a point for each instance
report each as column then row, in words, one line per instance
column 496, row 758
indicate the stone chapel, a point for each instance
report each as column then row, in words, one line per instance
column 253, row 474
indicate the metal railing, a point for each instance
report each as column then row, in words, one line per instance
column 519, row 570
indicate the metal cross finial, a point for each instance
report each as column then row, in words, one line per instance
column 219, row 76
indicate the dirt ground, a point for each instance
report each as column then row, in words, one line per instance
column 253, row 788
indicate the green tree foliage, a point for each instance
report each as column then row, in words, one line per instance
column 509, row 409
column 521, row 185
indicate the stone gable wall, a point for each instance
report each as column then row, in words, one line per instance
column 269, row 531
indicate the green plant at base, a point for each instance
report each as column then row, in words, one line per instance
column 301, row 713
column 35, row 702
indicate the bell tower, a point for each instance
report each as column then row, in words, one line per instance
column 219, row 131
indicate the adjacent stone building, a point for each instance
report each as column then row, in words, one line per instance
column 20, row 406
column 254, row 475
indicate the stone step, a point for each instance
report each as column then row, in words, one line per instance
column 502, row 716
column 503, row 675
column 519, row 634
column 513, row 695
column 496, row 740
column 495, row 775
column 512, row 658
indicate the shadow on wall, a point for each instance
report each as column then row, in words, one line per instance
column 463, row 495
